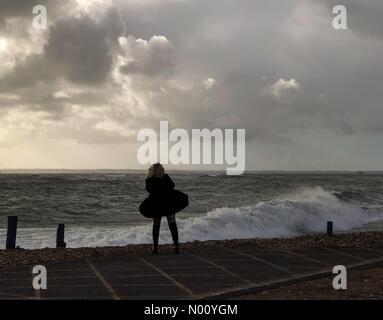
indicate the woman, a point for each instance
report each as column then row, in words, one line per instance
column 162, row 201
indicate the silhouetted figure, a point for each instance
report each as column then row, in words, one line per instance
column 163, row 200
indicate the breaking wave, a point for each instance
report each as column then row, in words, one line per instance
column 301, row 213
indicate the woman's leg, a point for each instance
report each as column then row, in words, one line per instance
column 174, row 231
column 156, row 234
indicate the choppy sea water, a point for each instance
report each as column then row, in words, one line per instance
column 101, row 209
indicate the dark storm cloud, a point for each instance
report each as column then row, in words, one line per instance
column 241, row 45
column 151, row 58
column 255, row 51
column 27, row 74
column 16, row 8
column 10, row 9
column 364, row 17
column 82, row 49
column 79, row 49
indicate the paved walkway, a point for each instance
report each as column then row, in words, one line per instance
column 186, row 276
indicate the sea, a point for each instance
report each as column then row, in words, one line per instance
column 100, row 208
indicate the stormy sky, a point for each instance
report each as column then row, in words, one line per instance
column 75, row 95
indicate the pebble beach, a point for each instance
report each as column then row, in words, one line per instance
column 19, row 256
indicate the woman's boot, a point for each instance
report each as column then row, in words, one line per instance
column 156, row 234
column 174, row 231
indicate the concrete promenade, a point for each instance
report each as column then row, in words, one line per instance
column 216, row 273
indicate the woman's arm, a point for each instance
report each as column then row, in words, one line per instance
column 170, row 182
column 149, row 186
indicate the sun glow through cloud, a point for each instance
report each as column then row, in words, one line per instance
column 86, row 5
column 104, row 69
column 3, row 44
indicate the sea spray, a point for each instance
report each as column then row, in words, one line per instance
column 295, row 214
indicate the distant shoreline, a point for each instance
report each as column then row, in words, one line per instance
column 9, row 258
column 129, row 171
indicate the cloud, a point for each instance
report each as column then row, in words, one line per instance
column 209, row 83
column 364, row 17
column 82, row 49
column 151, row 58
column 22, row 11
column 284, row 89
column 20, row 8
column 77, row 49
column 105, row 69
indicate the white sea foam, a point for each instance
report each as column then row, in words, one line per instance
column 301, row 213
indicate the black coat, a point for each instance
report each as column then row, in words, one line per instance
column 163, row 199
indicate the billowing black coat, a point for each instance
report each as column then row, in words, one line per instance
column 163, row 199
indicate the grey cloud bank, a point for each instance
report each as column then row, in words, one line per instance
column 105, row 69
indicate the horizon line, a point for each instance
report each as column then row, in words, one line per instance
column 195, row 170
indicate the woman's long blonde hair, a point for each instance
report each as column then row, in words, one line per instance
column 156, row 170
